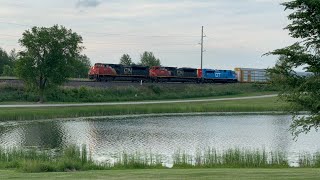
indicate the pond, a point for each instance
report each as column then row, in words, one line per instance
column 162, row 135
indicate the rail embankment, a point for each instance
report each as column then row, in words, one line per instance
column 10, row 93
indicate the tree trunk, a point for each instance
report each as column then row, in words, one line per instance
column 42, row 86
column 41, row 96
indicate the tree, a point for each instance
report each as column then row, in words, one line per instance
column 81, row 67
column 4, row 60
column 13, row 55
column 126, row 60
column 48, row 57
column 302, row 92
column 148, row 59
column 7, row 71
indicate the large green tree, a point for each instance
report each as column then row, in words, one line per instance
column 126, row 60
column 302, row 92
column 148, row 59
column 48, row 57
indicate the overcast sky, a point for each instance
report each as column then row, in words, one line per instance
column 238, row 31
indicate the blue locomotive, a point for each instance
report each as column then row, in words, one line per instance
column 217, row 76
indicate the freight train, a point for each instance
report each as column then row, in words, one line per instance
column 116, row 72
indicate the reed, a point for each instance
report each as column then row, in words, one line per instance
column 74, row 158
column 35, row 160
column 232, row 158
column 137, row 161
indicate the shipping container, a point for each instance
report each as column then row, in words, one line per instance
column 251, row 75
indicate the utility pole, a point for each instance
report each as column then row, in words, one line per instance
column 202, row 48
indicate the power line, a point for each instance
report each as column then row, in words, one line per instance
column 112, row 34
column 9, row 35
column 16, row 24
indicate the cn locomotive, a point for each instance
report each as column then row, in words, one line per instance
column 116, row 72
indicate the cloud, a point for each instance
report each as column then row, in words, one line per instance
column 88, row 3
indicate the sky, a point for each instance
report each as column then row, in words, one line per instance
column 238, row 32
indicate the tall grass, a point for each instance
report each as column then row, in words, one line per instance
column 11, row 93
column 33, row 160
column 232, row 158
column 74, row 158
column 137, row 161
column 79, row 159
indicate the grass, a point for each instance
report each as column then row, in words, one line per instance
column 130, row 93
column 71, row 158
column 146, row 100
column 232, row 158
column 137, row 161
column 72, row 79
column 249, row 105
column 292, row 173
column 8, row 77
column 33, row 160
column 79, row 159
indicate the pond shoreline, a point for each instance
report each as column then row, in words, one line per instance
column 177, row 115
column 270, row 105
column 119, row 117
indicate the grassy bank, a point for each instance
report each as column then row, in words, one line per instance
column 79, row 159
column 132, row 93
column 245, row 174
column 249, row 105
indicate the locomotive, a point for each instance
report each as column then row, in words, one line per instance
column 117, row 72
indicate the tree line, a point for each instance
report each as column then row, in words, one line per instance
column 146, row 59
column 8, row 62
column 50, row 56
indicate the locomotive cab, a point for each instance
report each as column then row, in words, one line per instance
column 94, row 71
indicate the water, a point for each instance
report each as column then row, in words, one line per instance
column 162, row 135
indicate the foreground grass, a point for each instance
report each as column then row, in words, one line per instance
column 74, row 158
column 291, row 173
column 250, row 105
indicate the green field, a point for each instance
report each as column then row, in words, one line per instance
column 291, row 173
column 250, row 105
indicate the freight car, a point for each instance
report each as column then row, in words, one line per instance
column 251, row 75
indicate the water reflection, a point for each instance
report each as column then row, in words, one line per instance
column 162, row 135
